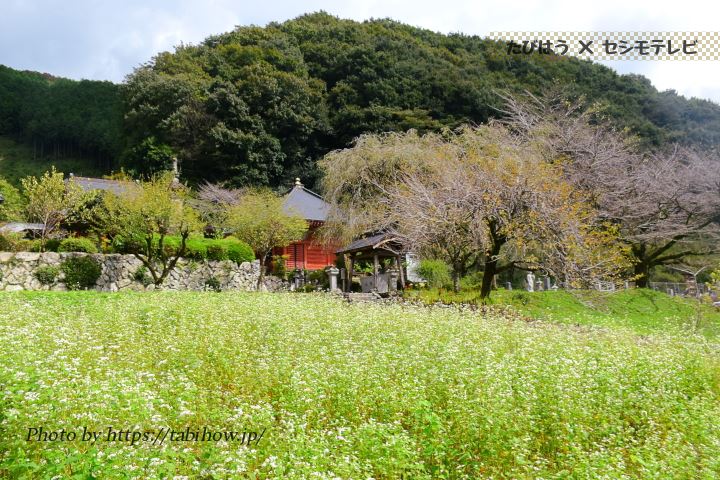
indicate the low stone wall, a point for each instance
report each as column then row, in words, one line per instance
column 118, row 273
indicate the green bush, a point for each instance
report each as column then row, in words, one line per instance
column 8, row 241
column 77, row 244
column 279, row 265
column 141, row 275
column 47, row 274
column 238, row 251
column 196, row 248
column 318, row 278
column 35, row 246
column 217, row 251
column 52, row 244
column 81, row 273
column 213, row 284
column 436, row 272
column 27, row 245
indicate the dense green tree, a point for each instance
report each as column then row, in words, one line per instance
column 260, row 220
column 260, row 105
column 13, row 203
column 61, row 117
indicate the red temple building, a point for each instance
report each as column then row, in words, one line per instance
column 308, row 254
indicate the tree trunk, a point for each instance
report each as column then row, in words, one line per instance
column 491, row 260
column 642, row 268
column 488, row 276
column 642, row 274
column 261, row 276
column 456, row 280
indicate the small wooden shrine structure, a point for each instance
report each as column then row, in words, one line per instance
column 375, row 247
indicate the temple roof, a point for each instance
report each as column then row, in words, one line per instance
column 306, row 203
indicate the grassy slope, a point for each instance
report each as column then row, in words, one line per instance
column 348, row 391
column 644, row 311
column 16, row 162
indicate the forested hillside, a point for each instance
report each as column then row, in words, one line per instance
column 60, row 118
column 260, row 105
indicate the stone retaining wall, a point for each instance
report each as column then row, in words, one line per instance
column 118, row 273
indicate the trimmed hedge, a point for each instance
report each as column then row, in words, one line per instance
column 198, row 248
column 77, row 244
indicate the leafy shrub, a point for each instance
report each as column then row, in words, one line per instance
column 15, row 242
column 47, row 274
column 279, row 265
column 141, row 276
column 436, row 272
column 27, row 245
column 51, row 244
column 238, row 251
column 77, row 244
column 213, row 284
column 81, row 273
column 8, row 241
column 318, row 278
column 196, row 248
column 217, row 251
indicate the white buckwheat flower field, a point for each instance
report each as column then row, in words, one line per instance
column 149, row 385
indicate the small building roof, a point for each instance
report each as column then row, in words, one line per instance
column 306, row 203
column 90, row 184
column 18, row 227
column 378, row 241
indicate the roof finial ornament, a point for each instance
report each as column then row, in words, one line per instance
column 297, row 182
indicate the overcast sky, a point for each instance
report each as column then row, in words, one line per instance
column 105, row 40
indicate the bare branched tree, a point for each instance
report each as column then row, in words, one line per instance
column 213, row 202
column 666, row 204
column 475, row 195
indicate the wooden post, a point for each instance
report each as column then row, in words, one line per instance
column 351, row 272
column 376, row 270
column 398, row 264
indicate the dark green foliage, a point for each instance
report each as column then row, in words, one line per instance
column 318, row 278
column 141, row 276
column 77, row 244
column 47, row 274
column 53, row 245
column 259, row 105
column 150, row 157
column 60, row 117
column 81, row 273
column 213, row 284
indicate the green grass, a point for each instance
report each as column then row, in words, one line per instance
column 643, row 310
column 346, row 391
column 17, row 162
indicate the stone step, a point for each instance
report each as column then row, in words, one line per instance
column 362, row 297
